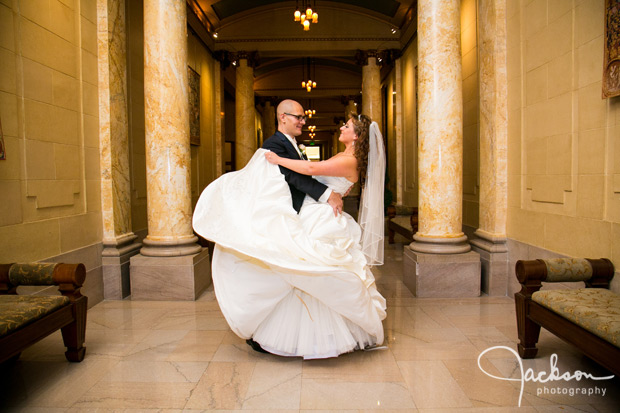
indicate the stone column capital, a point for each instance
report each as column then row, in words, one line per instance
column 361, row 56
column 347, row 99
column 265, row 101
column 383, row 57
column 227, row 58
column 252, row 58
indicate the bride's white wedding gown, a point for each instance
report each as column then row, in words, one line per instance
column 297, row 284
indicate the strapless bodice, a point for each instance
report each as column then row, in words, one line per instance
column 337, row 184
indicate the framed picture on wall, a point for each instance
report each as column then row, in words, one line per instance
column 2, row 147
column 611, row 64
column 194, row 106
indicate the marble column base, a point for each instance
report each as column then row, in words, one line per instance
column 115, row 264
column 494, row 261
column 441, row 275
column 181, row 278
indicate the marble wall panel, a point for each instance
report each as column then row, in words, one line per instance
column 493, row 118
column 10, row 212
column 44, row 137
column 29, row 241
column 7, row 33
column 8, row 81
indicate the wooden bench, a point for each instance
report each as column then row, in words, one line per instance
column 26, row 319
column 402, row 220
column 588, row 318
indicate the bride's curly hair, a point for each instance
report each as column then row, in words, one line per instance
column 361, row 127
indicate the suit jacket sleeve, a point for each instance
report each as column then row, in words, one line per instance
column 303, row 183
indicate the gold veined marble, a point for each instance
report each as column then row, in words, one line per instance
column 113, row 124
column 371, row 90
column 245, row 144
column 440, row 149
column 493, row 117
column 269, row 120
column 167, row 125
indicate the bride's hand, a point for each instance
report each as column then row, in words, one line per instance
column 272, row 157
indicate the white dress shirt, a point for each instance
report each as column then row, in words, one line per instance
column 293, row 142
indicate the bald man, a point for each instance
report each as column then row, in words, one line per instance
column 291, row 119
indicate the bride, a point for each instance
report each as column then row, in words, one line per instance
column 300, row 284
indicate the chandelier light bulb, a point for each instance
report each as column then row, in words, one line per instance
column 313, row 111
column 309, row 88
column 303, row 84
column 309, row 13
column 302, row 18
column 297, row 15
column 306, row 25
column 315, row 17
column 313, row 84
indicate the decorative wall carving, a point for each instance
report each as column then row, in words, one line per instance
column 611, row 65
column 194, row 106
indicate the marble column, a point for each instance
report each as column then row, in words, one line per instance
column 440, row 262
column 269, row 120
column 351, row 107
column 490, row 241
column 118, row 239
column 371, row 87
column 245, row 139
column 335, row 142
column 171, row 265
column 398, row 132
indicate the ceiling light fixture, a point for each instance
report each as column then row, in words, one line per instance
column 308, row 84
column 307, row 17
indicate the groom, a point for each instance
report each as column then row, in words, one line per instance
column 291, row 119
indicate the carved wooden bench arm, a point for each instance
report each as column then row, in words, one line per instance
column 27, row 319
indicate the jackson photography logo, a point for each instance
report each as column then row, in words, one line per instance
column 546, row 377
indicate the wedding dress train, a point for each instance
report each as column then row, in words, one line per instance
column 298, row 284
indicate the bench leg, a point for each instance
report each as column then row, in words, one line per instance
column 74, row 334
column 390, row 235
column 529, row 331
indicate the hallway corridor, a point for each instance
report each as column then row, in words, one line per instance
column 181, row 356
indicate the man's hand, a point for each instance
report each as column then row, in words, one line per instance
column 335, row 200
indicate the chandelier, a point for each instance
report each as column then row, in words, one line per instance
column 307, row 17
column 308, row 84
column 310, row 112
column 312, row 134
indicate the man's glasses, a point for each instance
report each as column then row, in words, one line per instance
column 300, row 118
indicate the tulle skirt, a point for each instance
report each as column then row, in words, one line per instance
column 297, row 284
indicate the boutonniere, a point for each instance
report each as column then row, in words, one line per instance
column 302, row 149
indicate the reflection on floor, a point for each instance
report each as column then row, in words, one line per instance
column 181, row 356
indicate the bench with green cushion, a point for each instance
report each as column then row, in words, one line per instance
column 588, row 318
column 26, row 319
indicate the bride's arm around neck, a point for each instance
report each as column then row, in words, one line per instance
column 345, row 166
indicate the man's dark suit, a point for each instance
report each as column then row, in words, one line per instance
column 299, row 184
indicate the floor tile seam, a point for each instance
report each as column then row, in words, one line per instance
column 280, row 384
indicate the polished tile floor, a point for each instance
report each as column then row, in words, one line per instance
column 181, row 356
